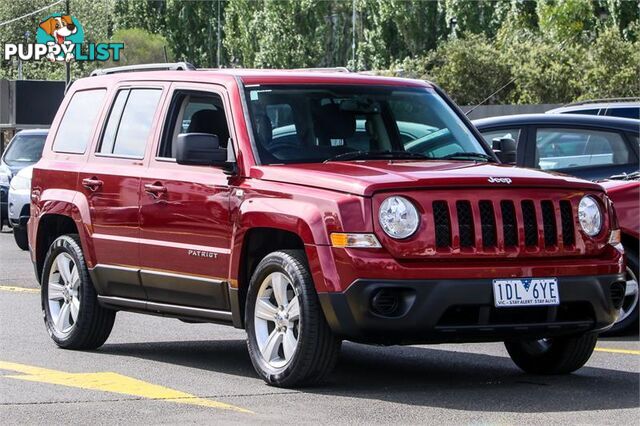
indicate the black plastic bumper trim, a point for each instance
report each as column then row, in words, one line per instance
column 350, row 316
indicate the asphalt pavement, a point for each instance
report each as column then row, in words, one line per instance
column 160, row 370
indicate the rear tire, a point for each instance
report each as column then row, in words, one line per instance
column 289, row 340
column 21, row 238
column 70, row 308
column 561, row 355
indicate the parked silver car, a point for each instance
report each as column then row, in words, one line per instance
column 19, row 204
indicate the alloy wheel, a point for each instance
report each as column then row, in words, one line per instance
column 277, row 320
column 63, row 292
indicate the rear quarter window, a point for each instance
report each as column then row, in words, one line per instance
column 78, row 122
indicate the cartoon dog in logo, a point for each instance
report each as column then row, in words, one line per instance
column 59, row 27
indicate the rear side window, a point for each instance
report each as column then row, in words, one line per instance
column 574, row 148
column 129, row 123
column 78, row 122
column 629, row 112
column 583, row 111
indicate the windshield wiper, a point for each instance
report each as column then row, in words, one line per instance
column 467, row 155
column 626, row 176
column 363, row 155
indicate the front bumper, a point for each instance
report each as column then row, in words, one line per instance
column 18, row 207
column 438, row 311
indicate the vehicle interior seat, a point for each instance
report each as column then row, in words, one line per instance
column 210, row 121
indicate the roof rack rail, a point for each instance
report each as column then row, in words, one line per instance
column 598, row 101
column 176, row 66
column 328, row 69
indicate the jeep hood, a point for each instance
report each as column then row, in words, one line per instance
column 370, row 176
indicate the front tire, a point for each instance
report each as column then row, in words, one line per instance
column 21, row 238
column 628, row 320
column 289, row 340
column 72, row 315
column 561, row 355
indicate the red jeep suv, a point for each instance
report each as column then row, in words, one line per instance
column 308, row 207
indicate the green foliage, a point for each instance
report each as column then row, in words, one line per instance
column 544, row 71
column 554, row 50
column 142, row 47
column 564, row 20
column 24, row 30
column 613, row 68
column 468, row 68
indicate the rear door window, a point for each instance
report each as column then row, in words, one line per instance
column 78, row 122
column 558, row 148
column 130, row 122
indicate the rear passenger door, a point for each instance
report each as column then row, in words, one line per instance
column 111, row 183
column 185, row 220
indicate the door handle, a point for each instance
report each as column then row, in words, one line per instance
column 155, row 189
column 92, row 184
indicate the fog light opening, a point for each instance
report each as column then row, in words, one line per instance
column 385, row 302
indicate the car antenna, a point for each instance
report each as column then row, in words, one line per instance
column 491, row 95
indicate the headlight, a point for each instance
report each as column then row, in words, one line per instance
column 398, row 217
column 590, row 216
column 20, row 183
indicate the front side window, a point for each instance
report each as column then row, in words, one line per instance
column 302, row 124
column 130, row 122
column 573, row 148
column 24, row 149
column 193, row 112
column 78, row 122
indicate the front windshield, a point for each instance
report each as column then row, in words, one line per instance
column 24, row 149
column 305, row 124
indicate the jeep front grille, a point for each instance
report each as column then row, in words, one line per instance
column 526, row 224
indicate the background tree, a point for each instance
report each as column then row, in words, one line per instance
column 142, row 47
column 557, row 50
column 24, row 31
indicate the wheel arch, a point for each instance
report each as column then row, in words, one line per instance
column 55, row 217
column 255, row 243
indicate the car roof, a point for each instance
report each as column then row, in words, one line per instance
column 626, row 124
column 252, row 76
column 596, row 105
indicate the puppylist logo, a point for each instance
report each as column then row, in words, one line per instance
column 60, row 38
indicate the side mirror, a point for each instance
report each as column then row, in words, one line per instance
column 505, row 149
column 200, row 149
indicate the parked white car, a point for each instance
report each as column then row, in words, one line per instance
column 19, row 205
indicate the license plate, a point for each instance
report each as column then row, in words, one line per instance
column 525, row 292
